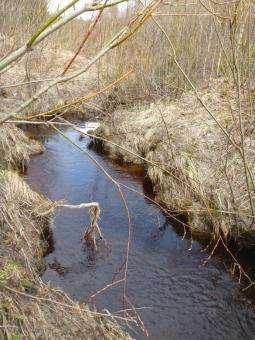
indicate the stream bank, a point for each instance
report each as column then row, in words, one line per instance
column 194, row 168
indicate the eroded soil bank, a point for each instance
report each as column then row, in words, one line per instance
column 194, row 167
column 28, row 308
column 178, row 297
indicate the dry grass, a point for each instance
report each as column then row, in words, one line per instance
column 204, row 175
column 28, row 308
column 15, row 147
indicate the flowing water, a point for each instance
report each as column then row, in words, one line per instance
column 179, row 297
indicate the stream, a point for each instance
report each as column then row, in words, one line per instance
column 178, row 296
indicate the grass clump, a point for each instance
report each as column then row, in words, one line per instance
column 15, row 147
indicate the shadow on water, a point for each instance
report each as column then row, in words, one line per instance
column 183, row 298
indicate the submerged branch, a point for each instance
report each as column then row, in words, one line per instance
column 93, row 229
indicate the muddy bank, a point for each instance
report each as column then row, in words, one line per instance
column 29, row 308
column 193, row 167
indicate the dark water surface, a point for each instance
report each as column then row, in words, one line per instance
column 184, row 299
